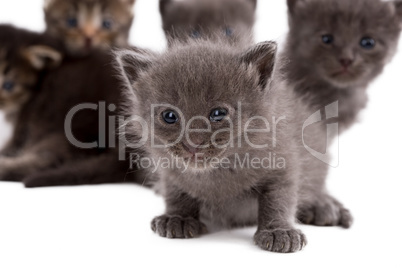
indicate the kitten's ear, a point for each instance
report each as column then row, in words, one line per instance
column 47, row 3
column 254, row 3
column 262, row 56
column 398, row 8
column 42, row 57
column 132, row 63
column 293, row 5
column 164, row 4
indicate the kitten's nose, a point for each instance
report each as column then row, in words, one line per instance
column 346, row 62
column 191, row 148
column 89, row 30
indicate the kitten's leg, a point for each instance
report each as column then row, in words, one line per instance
column 15, row 169
column 181, row 219
column 14, row 145
column 315, row 205
column 96, row 169
column 9, row 150
column 324, row 210
column 277, row 207
column 45, row 154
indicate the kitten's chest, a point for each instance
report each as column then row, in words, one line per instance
column 218, row 187
column 349, row 101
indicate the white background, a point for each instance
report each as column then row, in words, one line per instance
column 109, row 225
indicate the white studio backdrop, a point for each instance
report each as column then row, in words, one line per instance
column 109, row 225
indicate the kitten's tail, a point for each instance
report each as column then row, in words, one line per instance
column 104, row 168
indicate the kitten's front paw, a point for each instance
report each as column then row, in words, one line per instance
column 326, row 211
column 281, row 241
column 5, row 173
column 177, row 227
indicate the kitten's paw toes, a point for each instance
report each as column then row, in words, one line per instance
column 177, row 227
column 281, row 241
column 346, row 219
column 325, row 212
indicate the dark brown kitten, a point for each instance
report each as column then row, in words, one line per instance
column 336, row 48
column 231, row 20
column 225, row 138
column 84, row 25
column 24, row 57
column 47, row 138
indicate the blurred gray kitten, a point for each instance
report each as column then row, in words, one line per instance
column 231, row 20
column 225, row 90
column 336, row 48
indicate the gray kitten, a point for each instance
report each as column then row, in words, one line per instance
column 337, row 47
column 234, row 112
column 232, row 20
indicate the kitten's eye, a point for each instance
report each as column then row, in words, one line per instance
column 170, row 117
column 72, row 22
column 229, row 31
column 8, row 86
column 327, row 39
column 367, row 43
column 195, row 34
column 107, row 24
column 218, row 115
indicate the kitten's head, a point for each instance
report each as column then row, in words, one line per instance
column 189, row 97
column 231, row 19
column 23, row 55
column 84, row 25
column 344, row 42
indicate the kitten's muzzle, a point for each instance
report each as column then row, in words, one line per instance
column 346, row 63
column 192, row 148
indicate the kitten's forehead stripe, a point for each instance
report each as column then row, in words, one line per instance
column 3, row 67
column 7, row 69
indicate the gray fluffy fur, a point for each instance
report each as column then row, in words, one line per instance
column 198, row 77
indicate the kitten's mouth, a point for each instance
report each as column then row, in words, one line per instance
column 194, row 156
column 344, row 75
column 343, row 72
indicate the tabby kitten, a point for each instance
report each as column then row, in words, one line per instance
column 337, row 47
column 24, row 56
column 209, row 107
column 84, row 25
column 232, row 20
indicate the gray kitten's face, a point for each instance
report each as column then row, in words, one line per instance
column 346, row 43
column 196, row 90
column 230, row 19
